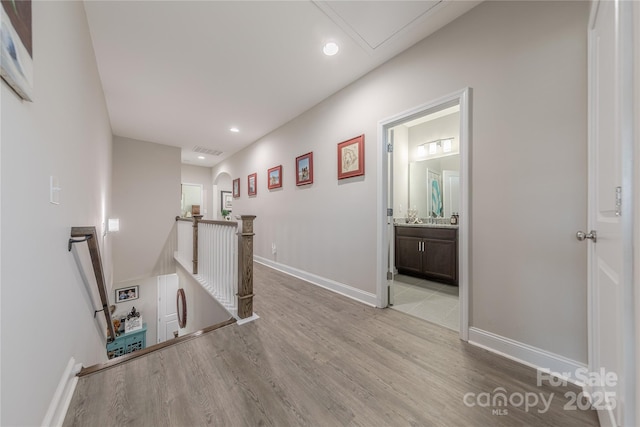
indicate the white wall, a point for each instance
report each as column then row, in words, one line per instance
column 201, row 175
column 146, row 199
column 526, row 64
column 146, row 304
column 65, row 132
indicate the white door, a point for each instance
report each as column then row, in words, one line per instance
column 167, row 314
column 606, row 235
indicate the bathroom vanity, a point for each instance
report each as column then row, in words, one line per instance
column 429, row 251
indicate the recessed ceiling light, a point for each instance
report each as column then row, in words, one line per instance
column 234, row 129
column 201, row 157
column 330, row 49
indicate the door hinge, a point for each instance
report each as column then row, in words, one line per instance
column 389, row 211
column 389, row 275
column 390, row 148
column 618, row 201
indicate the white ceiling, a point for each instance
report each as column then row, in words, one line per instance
column 182, row 73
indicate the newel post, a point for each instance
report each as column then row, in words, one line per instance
column 245, row 266
column 196, row 220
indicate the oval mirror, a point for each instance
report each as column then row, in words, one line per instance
column 181, row 302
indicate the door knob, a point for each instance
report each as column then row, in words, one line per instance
column 581, row 235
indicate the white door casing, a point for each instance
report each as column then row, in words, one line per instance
column 167, row 308
column 463, row 98
column 390, row 227
column 611, row 333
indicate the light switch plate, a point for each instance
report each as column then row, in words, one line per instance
column 54, row 190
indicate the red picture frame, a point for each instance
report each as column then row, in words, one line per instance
column 274, row 177
column 351, row 157
column 304, row 169
column 236, row 188
column 252, row 184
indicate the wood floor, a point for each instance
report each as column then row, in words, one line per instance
column 315, row 358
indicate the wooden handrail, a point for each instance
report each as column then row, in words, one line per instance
column 90, row 236
column 208, row 221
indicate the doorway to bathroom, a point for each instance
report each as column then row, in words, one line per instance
column 426, row 228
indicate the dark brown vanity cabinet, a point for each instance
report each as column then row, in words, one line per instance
column 428, row 252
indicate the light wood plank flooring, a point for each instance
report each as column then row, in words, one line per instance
column 315, row 358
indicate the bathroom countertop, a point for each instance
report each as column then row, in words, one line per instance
column 402, row 224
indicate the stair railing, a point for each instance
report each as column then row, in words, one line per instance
column 89, row 235
column 219, row 254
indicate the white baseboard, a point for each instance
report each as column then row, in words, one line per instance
column 247, row 319
column 559, row 366
column 62, row 397
column 337, row 287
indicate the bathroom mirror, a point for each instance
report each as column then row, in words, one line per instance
column 434, row 189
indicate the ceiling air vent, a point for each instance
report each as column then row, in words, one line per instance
column 204, row 150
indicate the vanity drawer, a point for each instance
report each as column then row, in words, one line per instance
column 428, row 232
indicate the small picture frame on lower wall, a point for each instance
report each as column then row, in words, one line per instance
column 252, row 184
column 275, row 177
column 236, row 188
column 127, row 294
column 304, row 169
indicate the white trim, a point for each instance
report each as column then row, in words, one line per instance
column 629, row 412
column 337, row 287
column 526, row 354
column 62, row 397
column 463, row 98
column 627, row 129
column 247, row 319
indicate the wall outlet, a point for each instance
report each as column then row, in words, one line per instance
column 273, row 248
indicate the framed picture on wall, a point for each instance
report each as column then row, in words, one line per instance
column 226, row 201
column 304, row 169
column 351, row 157
column 275, row 177
column 236, row 188
column 16, row 44
column 252, row 184
column 127, row 294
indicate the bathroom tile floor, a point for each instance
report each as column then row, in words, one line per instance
column 432, row 301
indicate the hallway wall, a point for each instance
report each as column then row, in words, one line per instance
column 47, row 313
column 146, row 198
column 526, row 63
